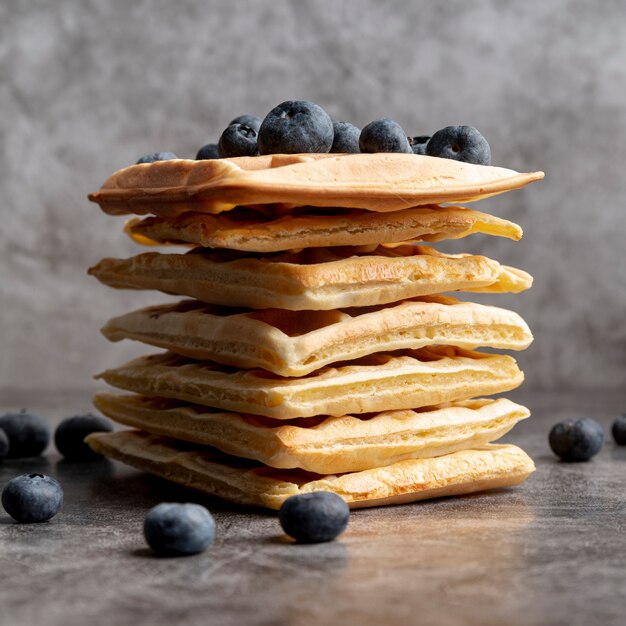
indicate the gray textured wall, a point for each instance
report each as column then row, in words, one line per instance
column 86, row 86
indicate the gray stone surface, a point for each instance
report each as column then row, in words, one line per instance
column 87, row 86
column 547, row 553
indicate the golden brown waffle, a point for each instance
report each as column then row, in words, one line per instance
column 314, row 279
column 245, row 229
column 403, row 380
column 377, row 182
column 293, row 343
column 325, row 445
column 248, row 483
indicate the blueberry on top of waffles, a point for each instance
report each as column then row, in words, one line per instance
column 252, row 121
column 173, row 529
column 576, row 440
column 28, row 434
column 296, row 126
column 71, row 432
column 461, row 143
column 418, row 144
column 210, row 151
column 618, row 430
column 156, row 156
column 314, row 517
column 238, row 140
column 384, row 135
column 346, row 138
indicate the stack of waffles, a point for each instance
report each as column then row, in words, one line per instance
column 315, row 350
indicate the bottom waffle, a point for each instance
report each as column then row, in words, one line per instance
column 249, row 483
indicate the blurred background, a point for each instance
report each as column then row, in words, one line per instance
column 88, row 86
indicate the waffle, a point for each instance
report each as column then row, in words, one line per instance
column 324, row 445
column 247, row 230
column 246, row 482
column 314, row 279
column 406, row 379
column 292, row 343
column 378, row 182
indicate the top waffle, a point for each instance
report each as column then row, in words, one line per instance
column 377, row 182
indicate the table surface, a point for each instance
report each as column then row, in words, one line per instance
column 551, row 551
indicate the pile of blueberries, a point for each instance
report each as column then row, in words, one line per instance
column 175, row 529
column 32, row 498
column 297, row 126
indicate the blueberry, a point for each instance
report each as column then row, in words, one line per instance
column 346, row 138
column 70, row 433
column 252, row 121
column 157, row 156
column 418, row 144
column 210, row 151
column 4, row 444
column 314, row 517
column 32, row 498
column 461, row 143
column 619, row 430
column 296, row 126
column 238, row 140
column 28, row 434
column 576, row 440
column 178, row 529
column 384, row 135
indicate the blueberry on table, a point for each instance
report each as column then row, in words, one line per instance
column 296, row 126
column 384, row 135
column 210, row 151
column 238, row 140
column 71, row 432
column 576, row 440
column 418, row 144
column 4, row 444
column 314, row 517
column 460, row 143
column 32, row 498
column 156, row 156
column 28, row 434
column 173, row 529
column 252, row 121
column 346, row 138
column 618, row 430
